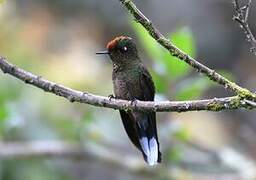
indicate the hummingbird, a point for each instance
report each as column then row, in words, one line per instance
column 132, row 81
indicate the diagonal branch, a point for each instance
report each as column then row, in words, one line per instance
column 242, row 13
column 244, row 98
column 216, row 104
column 174, row 51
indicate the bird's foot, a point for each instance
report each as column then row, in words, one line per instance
column 111, row 96
column 134, row 102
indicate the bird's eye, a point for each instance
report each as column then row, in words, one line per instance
column 125, row 48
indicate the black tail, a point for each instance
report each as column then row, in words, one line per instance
column 148, row 141
column 141, row 129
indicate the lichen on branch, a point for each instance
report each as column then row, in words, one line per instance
column 243, row 99
column 175, row 51
column 215, row 104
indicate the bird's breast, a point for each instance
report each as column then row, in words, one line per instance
column 126, row 85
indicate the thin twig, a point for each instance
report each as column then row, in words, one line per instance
column 250, row 102
column 16, row 150
column 155, row 33
column 215, row 104
column 242, row 13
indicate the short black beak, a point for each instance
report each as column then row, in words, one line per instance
column 102, row 52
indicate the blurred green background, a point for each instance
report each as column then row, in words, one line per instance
column 57, row 39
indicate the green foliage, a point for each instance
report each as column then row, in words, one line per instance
column 32, row 170
column 182, row 134
column 167, row 66
column 170, row 71
column 151, row 46
column 183, row 39
column 192, row 88
column 174, row 155
column 161, row 82
column 1, row 1
column 3, row 113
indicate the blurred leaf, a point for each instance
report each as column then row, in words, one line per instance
column 95, row 136
column 3, row 112
column 160, row 82
column 68, row 129
column 182, row 134
column 151, row 46
column 167, row 65
column 88, row 118
column 34, row 169
column 9, row 90
column 1, row 1
column 192, row 88
column 184, row 40
column 174, row 155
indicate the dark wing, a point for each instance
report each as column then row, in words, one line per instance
column 130, row 127
column 147, row 85
column 130, row 119
column 149, row 93
column 141, row 126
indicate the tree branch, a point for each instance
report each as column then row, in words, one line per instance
column 155, row 33
column 16, row 150
column 242, row 13
column 216, row 104
column 245, row 98
column 59, row 149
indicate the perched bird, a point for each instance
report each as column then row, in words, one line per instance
column 132, row 81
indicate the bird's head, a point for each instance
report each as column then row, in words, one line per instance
column 122, row 50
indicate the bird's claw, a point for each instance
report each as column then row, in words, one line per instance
column 111, row 96
column 134, row 101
